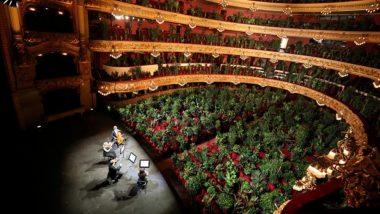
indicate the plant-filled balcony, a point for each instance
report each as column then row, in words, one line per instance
column 259, row 133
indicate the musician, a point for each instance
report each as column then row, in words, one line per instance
column 114, row 133
column 114, row 171
column 143, row 176
column 108, row 151
column 117, row 136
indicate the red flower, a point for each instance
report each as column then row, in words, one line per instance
column 261, row 155
column 271, row 187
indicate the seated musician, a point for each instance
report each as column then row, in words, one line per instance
column 108, row 151
column 117, row 137
column 143, row 176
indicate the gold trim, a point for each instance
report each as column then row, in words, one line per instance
column 348, row 6
column 130, row 86
column 150, row 13
column 136, row 46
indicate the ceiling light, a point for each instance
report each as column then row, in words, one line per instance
column 39, row 55
column 60, row 12
column 32, row 9
column 64, row 54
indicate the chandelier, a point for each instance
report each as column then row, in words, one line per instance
column 320, row 101
column 361, row 40
column 243, row 57
column 307, row 65
column 338, row 115
column 192, row 24
column 343, row 73
column 273, row 60
column 223, row 3
column 152, row 86
column 215, row 54
column 159, row 19
column 249, row 31
column 104, row 93
column 376, row 84
column 288, row 11
column 253, row 8
column 282, row 35
column 220, row 28
column 155, row 53
column 326, row 11
column 114, row 53
column 187, row 54
column 116, row 12
column 373, row 7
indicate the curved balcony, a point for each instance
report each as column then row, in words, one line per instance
column 127, row 46
column 162, row 16
column 331, row 7
column 153, row 83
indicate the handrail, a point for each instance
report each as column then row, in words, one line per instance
column 137, row 46
column 153, row 83
column 348, row 6
column 150, row 13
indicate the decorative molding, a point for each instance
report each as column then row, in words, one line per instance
column 34, row 38
column 133, row 46
column 150, row 13
column 348, row 6
column 53, row 46
column 130, row 86
column 58, row 83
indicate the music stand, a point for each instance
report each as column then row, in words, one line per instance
column 122, row 149
column 132, row 157
column 144, row 163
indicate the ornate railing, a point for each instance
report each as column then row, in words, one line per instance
column 162, row 16
column 134, row 46
column 58, row 83
column 331, row 7
column 153, row 83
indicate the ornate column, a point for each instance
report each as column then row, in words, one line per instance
column 27, row 99
column 87, row 98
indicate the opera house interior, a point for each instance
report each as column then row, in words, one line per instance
column 192, row 106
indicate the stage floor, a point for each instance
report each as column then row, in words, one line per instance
column 70, row 171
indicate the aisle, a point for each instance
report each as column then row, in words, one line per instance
column 80, row 181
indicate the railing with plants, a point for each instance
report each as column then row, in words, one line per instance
column 304, row 6
column 161, row 16
column 260, row 132
column 158, row 47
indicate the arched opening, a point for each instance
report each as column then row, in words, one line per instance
column 48, row 19
column 55, row 65
column 60, row 100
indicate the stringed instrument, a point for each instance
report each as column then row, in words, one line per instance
column 119, row 138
